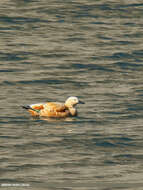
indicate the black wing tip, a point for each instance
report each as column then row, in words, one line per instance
column 26, row 107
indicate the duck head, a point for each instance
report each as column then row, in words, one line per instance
column 73, row 101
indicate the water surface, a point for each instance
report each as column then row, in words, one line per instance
column 50, row 50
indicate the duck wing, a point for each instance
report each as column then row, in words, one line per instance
column 38, row 106
column 55, row 107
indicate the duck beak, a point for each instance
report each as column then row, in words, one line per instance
column 81, row 102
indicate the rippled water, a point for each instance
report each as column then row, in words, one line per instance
column 50, row 50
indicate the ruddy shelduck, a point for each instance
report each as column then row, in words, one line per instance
column 55, row 109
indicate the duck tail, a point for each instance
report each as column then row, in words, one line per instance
column 26, row 107
column 29, row 108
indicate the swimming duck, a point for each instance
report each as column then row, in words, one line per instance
column 55, row 109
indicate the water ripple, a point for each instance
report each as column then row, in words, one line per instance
column 53, row 50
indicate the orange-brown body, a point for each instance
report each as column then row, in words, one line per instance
column 51, row 109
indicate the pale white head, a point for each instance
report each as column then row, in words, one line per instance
column 72, row 101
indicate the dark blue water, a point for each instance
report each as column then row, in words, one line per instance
column 50, row 50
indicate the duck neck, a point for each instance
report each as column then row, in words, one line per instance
column 72, row 110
